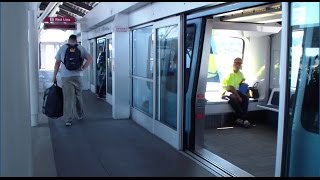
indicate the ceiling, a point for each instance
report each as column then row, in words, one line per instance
column 270, row 13
column 74, row 9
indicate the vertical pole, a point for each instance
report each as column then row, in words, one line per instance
column 33, row 64
column 16, row 153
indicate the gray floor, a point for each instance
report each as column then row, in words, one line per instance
column 102, row 146
column 252, row 149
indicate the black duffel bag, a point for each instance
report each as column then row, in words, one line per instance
column 52, row 105
column 253, row 91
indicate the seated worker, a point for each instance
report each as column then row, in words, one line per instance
column 237, row 100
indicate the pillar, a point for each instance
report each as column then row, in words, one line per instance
column 33, row 62
column 15, row 129
column 120, row 68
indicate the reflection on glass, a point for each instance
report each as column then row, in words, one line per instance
column 304, row 70
column 142, row 66
column 109, row 66
column 304, row 138
column 142, row 96
column 101, row 67
column 190, row 35
column 91, row 66
column 167, row 58
column 142, row 57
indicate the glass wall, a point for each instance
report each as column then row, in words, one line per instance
column 101, row 67
column 142, row 69
column 167, row 59
column 91, row 66
column 303, row 92
column 109, row 66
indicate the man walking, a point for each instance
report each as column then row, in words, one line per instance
column 72, row 56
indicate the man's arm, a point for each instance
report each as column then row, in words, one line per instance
column 88, row 62
column 56, row 68
column 88, row 58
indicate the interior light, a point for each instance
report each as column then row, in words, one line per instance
column 243, row 18
column 270, row 21
column 228, row 13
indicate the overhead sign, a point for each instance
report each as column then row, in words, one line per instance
column 59, row 20
column 60, row 26
column 63, row 23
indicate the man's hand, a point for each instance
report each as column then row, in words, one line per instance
column 55, row 71
column 234, row 91
column 54, row 79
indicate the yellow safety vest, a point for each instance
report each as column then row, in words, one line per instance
column 233, row 79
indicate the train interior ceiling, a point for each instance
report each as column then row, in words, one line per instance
column 253, row 34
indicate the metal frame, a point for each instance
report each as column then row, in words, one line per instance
column 109, row 96
column 165, row 132
column 94, row 56
column 130, row 65
column 74, row 9
column 283, row 82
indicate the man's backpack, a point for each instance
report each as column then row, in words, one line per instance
column 52, row 105
column 72, row 58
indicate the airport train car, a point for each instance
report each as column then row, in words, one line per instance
column 164, row 69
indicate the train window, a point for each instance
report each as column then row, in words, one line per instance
column 224, row 49
column 190, row 35
column 191, row 28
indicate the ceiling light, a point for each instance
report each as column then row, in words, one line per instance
column 243, row 18
column 228, row 13
column 270, row 21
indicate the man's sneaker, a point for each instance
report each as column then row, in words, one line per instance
column 238, row 121
column 68, row 123
column 246, row 123
column 80, row 118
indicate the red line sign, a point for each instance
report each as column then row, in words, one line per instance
column 59, row 20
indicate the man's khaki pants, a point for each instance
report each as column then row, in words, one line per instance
column 72, row 91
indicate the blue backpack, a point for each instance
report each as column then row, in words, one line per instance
column 72, row 58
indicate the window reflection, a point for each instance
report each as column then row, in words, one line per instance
column 303, row 122
column 109, row 66
column 91, row 66
column 167, row 57
column 142, row 70
column 142, row 95
column 304, row 78
column 190, row 35
column 142, row 58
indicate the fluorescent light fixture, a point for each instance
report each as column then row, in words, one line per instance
column 249, row 17
column 228, row 13
column 270, row 21
column 255, row 16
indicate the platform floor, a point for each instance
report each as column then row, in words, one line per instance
column 102, row 146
